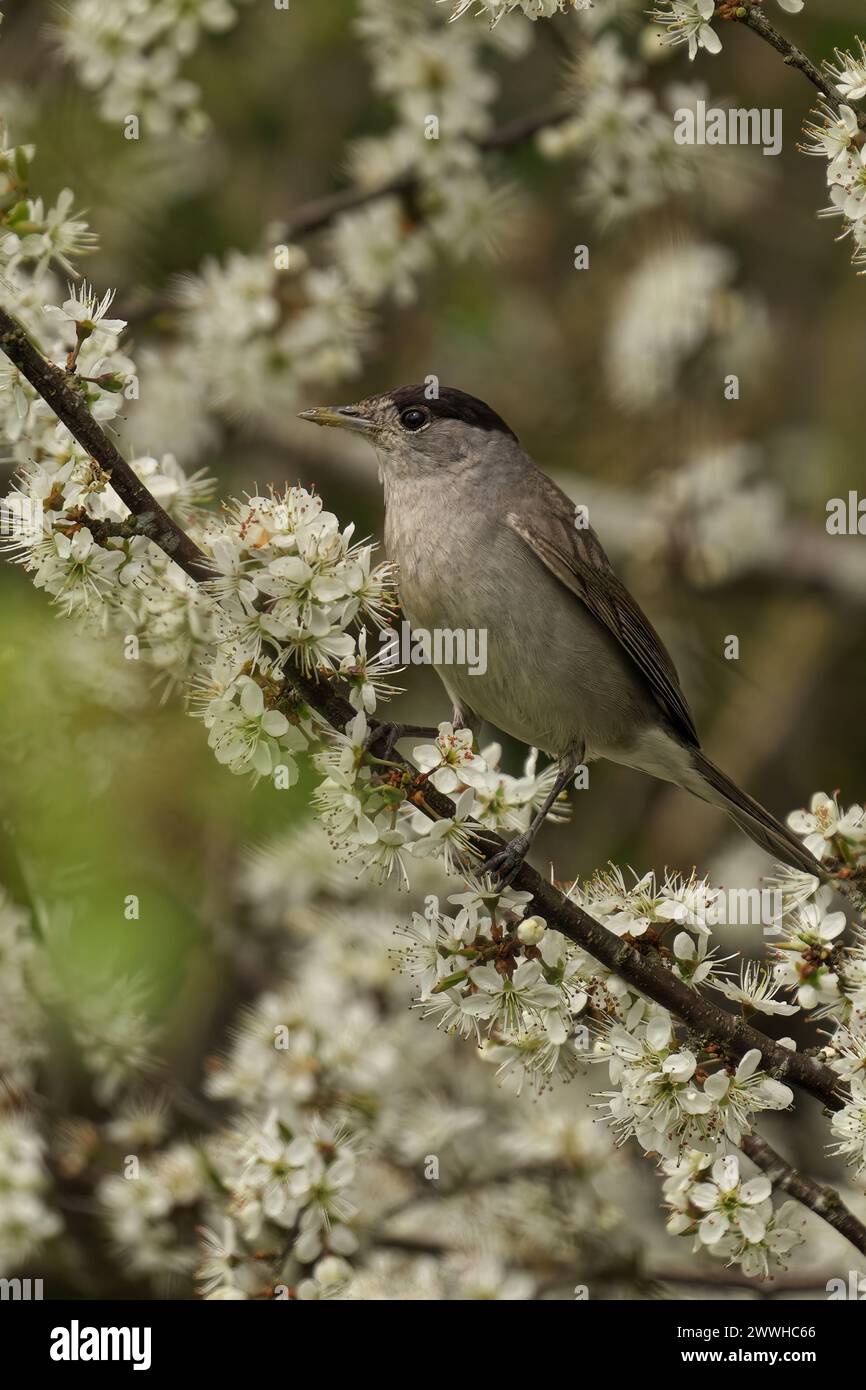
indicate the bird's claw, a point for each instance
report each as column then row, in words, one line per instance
column 382, row 739
column 507, row 862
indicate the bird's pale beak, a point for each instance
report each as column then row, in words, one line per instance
column 341, row 417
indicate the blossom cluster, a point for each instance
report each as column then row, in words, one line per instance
column 63, row 519
column 289, row 583
column 725, row 514
column 26, row 1218
column 836, row 135
column 622, row 134
column 131, row 52
column 730, row 1218
column 811, row 962
column 688, row 22
column 667, row 1099
column 848, row 1125
column 333, row 1103
column 441, row 92
column 290, row 586
column 678, row 306
column 366, row 807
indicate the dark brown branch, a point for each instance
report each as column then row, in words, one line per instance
column 823, row 1201
column 643, row 968
column 61, row 391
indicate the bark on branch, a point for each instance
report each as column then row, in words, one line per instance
column 61, row 391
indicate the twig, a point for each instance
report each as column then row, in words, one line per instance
column 727, row 1279
column 752, row 15
column 318, row 213
column 642, row 968
column 59, row 390
column 313, row 216
column 823, row 1201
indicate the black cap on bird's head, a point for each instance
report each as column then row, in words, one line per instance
column 411, row 410
column 450, row 403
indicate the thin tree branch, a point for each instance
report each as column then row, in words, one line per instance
column 628, row 1274
column 61, row 391
column 823, row 1201
column 755, row 19
column 313, row 216
column 640, row 966
column 727, row 1279
column 751, row 14
column 319, row 213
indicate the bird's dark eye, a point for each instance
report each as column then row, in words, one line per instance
column 415, row 418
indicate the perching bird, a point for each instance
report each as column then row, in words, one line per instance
column 484, row 540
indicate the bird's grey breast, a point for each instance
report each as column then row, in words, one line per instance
column 436, row 541
column 553, row 676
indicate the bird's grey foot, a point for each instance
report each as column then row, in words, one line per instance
column 506, row 863
column 383, row 738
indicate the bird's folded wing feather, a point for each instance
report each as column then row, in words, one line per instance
column 578, row 561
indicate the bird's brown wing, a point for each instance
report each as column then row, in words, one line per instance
column 578, row 561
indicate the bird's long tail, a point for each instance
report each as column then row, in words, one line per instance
column 714, row 786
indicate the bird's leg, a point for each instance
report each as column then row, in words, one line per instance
column 506, row 862
column 383, row 738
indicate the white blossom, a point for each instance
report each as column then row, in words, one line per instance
column 755, row 991
column 823, row 826
column 687, row 21
column 730, row 1218
column 26, row 1219
column 848, row 1127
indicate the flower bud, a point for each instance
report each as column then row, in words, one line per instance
column 531, row 930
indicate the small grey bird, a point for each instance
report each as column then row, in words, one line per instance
column 484, row 540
